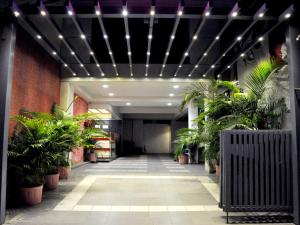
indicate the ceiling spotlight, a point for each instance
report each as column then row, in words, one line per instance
column 176, row 86
column 114, row 65
column 186, row 54
column 102, row 74
column 70, row 12
column 117, row 74
column 60, row 36
column 129, row 53
column 218, row 76
column 224, row 55
column 179, row 13
column 131, row 74
column 167, row 53
column 105, row 86
column 190, row 75
column 98, row 65
column 234, row 14
column 243, row 54
column 82, row 36
column 239, row 38
column 288, row 15
column 260, row 38
column 196, row 66
column 54, row 53
column 147, row 65
column 164, row 66
column 74, row 74
column 218, row 37
column 43, row 13
column 128, row 103
column 38, row 36
column 150, row 36
column 16, row 13
column 65, row 65
column 195, row 37
column 81, row 65
column 72, row 53
column 261, row 15
column 125, row 12
column 127, row 36
column 169, row 104
column 205, row 54
column 111, row 94
column 212, row 66
column 105, row 36
column 148, row 53
column 110, row 53
column 98, row 13
column 152, row 12
column 298, row 37
column 173, row 37
column 207, row 13
column 160, row 75
column 204, row 75
column 88, row 74
column 91, row 53
column 228, row 67
column 180, row 66
column 171, row 95
column 146, row 75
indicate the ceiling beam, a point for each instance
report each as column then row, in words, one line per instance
column 41, row 40
column 232, row 15
column 125, row 16
column 283, row 17
column 105, row 36
column 151, row 24
column 205, row 12
column 257, row 17
column 84, row 38
column 172, row 37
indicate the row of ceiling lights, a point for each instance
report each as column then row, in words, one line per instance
column 152, row 13
column 111, row 94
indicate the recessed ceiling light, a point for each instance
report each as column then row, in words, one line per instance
column 164, row 66
column 54, row 53
column 146, row 75
column 117, row 74
column 204, row 75
column 160, row 75
column 128, row 103
column 172, row 36
column 72, row 53
column 150, row 36
column 74, row 74
column 43, row 13
column 212, row 66
column 169, row 104
column 148, row 53
column 88, row 74
column 65, row 65
column 179, row 13
column 129, row 53
column 60, row 36
column 127, row 36
column 81, row 65
column 196, row 66
column 98, row 13
column 171, row 95
column 152, row 12
column 110, row 53
column 82, row 36
column 175, row 86
column 219, row 76
column 205, row 54
column 111, row 94
column 98, row 65
column 190, row 75
column 228, row 67
column 207, row 13
column 175, row 75
column 105, row 36
column 288, row 15
column 114, row 65
column 92, row 53
column 260, row 38
column 239, row 38
column 167, row 53
column 102, row 74
column 147, row 65
column 243, row 54
column 224, row 55
column 16, row 13
column 186, row 53
column 105, row 86
column 234, row 14
column 38, row 36
column 70, row 12
column 125, row 12
column 195, row 37
column 131, row 75
column 261, row 15
column 180, row 66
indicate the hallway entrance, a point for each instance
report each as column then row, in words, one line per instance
column 137, row 190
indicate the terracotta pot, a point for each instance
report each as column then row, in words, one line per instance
column 183, row 159
column 218, row 170
column 51, row 181
column 32, row 195
column 93, row 157
column 64, row 172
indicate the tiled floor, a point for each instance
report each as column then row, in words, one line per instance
column 141, row 190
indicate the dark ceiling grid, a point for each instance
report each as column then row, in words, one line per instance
column 84, row 39
column 125, row 14
column 284, row 16
column 230, row 17
column 151, row 24
column 172, row 37
column 105, row 36
column 258, row 16
column 59, row 35
column 206, row 13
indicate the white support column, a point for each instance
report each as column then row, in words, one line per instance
column 192, row 114
column 67, row 96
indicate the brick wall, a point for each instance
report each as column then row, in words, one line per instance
column 36, row 77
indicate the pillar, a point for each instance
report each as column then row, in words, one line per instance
column 192, row 114
column 67, row 97
column 7, row 49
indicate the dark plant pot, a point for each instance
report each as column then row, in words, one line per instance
column 51, row 181
column 218, row 170
column 183, row 159
column 33, row 195
column 64, row 172
column 93, row 157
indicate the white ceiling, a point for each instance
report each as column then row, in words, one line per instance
column 138, row 92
